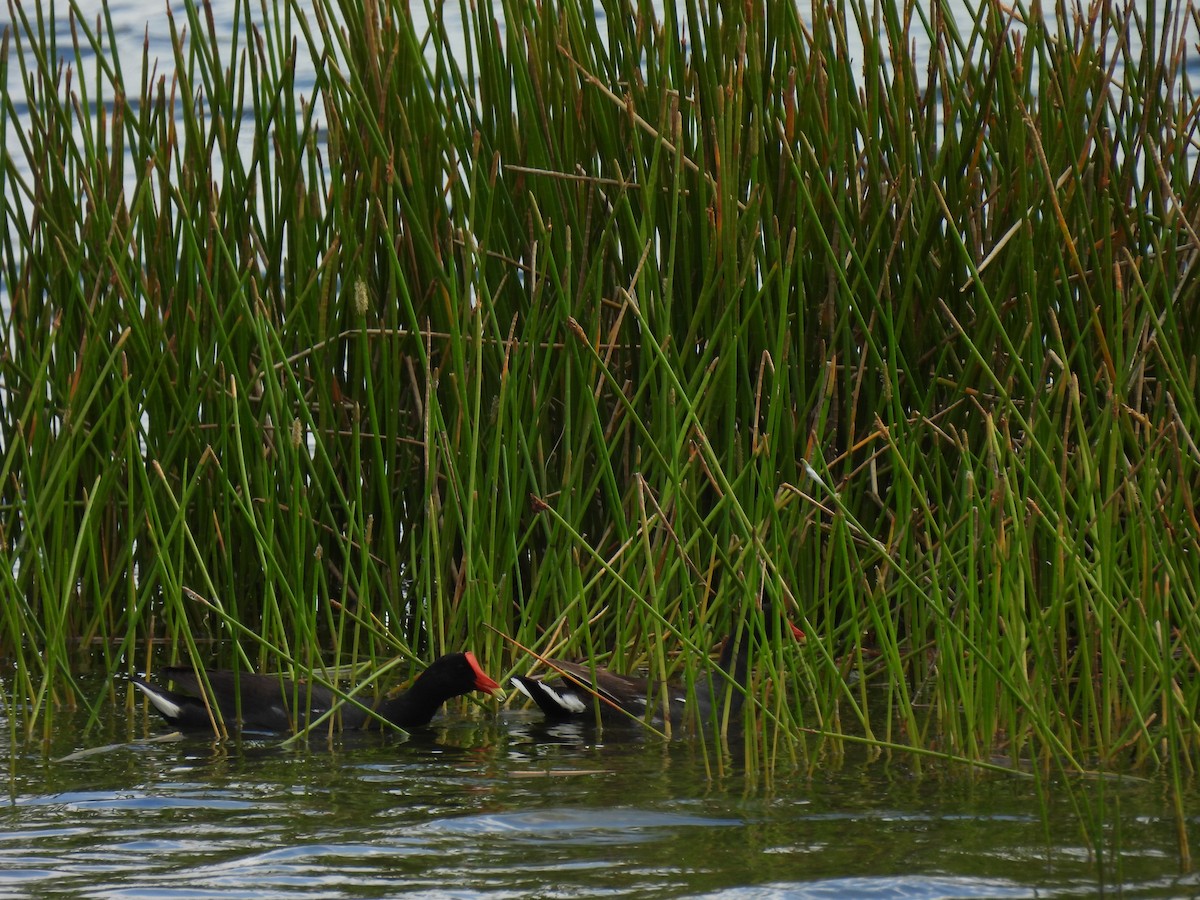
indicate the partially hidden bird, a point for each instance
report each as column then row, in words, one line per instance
column 271, row 703
column 579, row 690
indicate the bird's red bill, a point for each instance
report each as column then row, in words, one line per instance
column 482, row 681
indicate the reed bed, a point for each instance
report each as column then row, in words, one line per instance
column 596, row 332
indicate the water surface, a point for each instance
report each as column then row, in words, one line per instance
column 506, row 807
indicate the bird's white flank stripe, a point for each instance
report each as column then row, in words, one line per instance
column 569, row 702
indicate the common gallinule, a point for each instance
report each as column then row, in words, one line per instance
column 265, row 702
column 581, row 688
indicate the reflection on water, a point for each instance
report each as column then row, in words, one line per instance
column 512, row 808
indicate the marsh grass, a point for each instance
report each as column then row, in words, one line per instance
column 600, row 331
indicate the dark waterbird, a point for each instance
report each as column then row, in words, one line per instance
column 581, row 688
column 271, row 703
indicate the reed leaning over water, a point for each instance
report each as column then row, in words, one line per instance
column 601, row 328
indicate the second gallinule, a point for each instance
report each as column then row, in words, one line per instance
column 580, row 688
column 270, row 703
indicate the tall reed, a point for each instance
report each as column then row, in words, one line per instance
column 602, row 328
